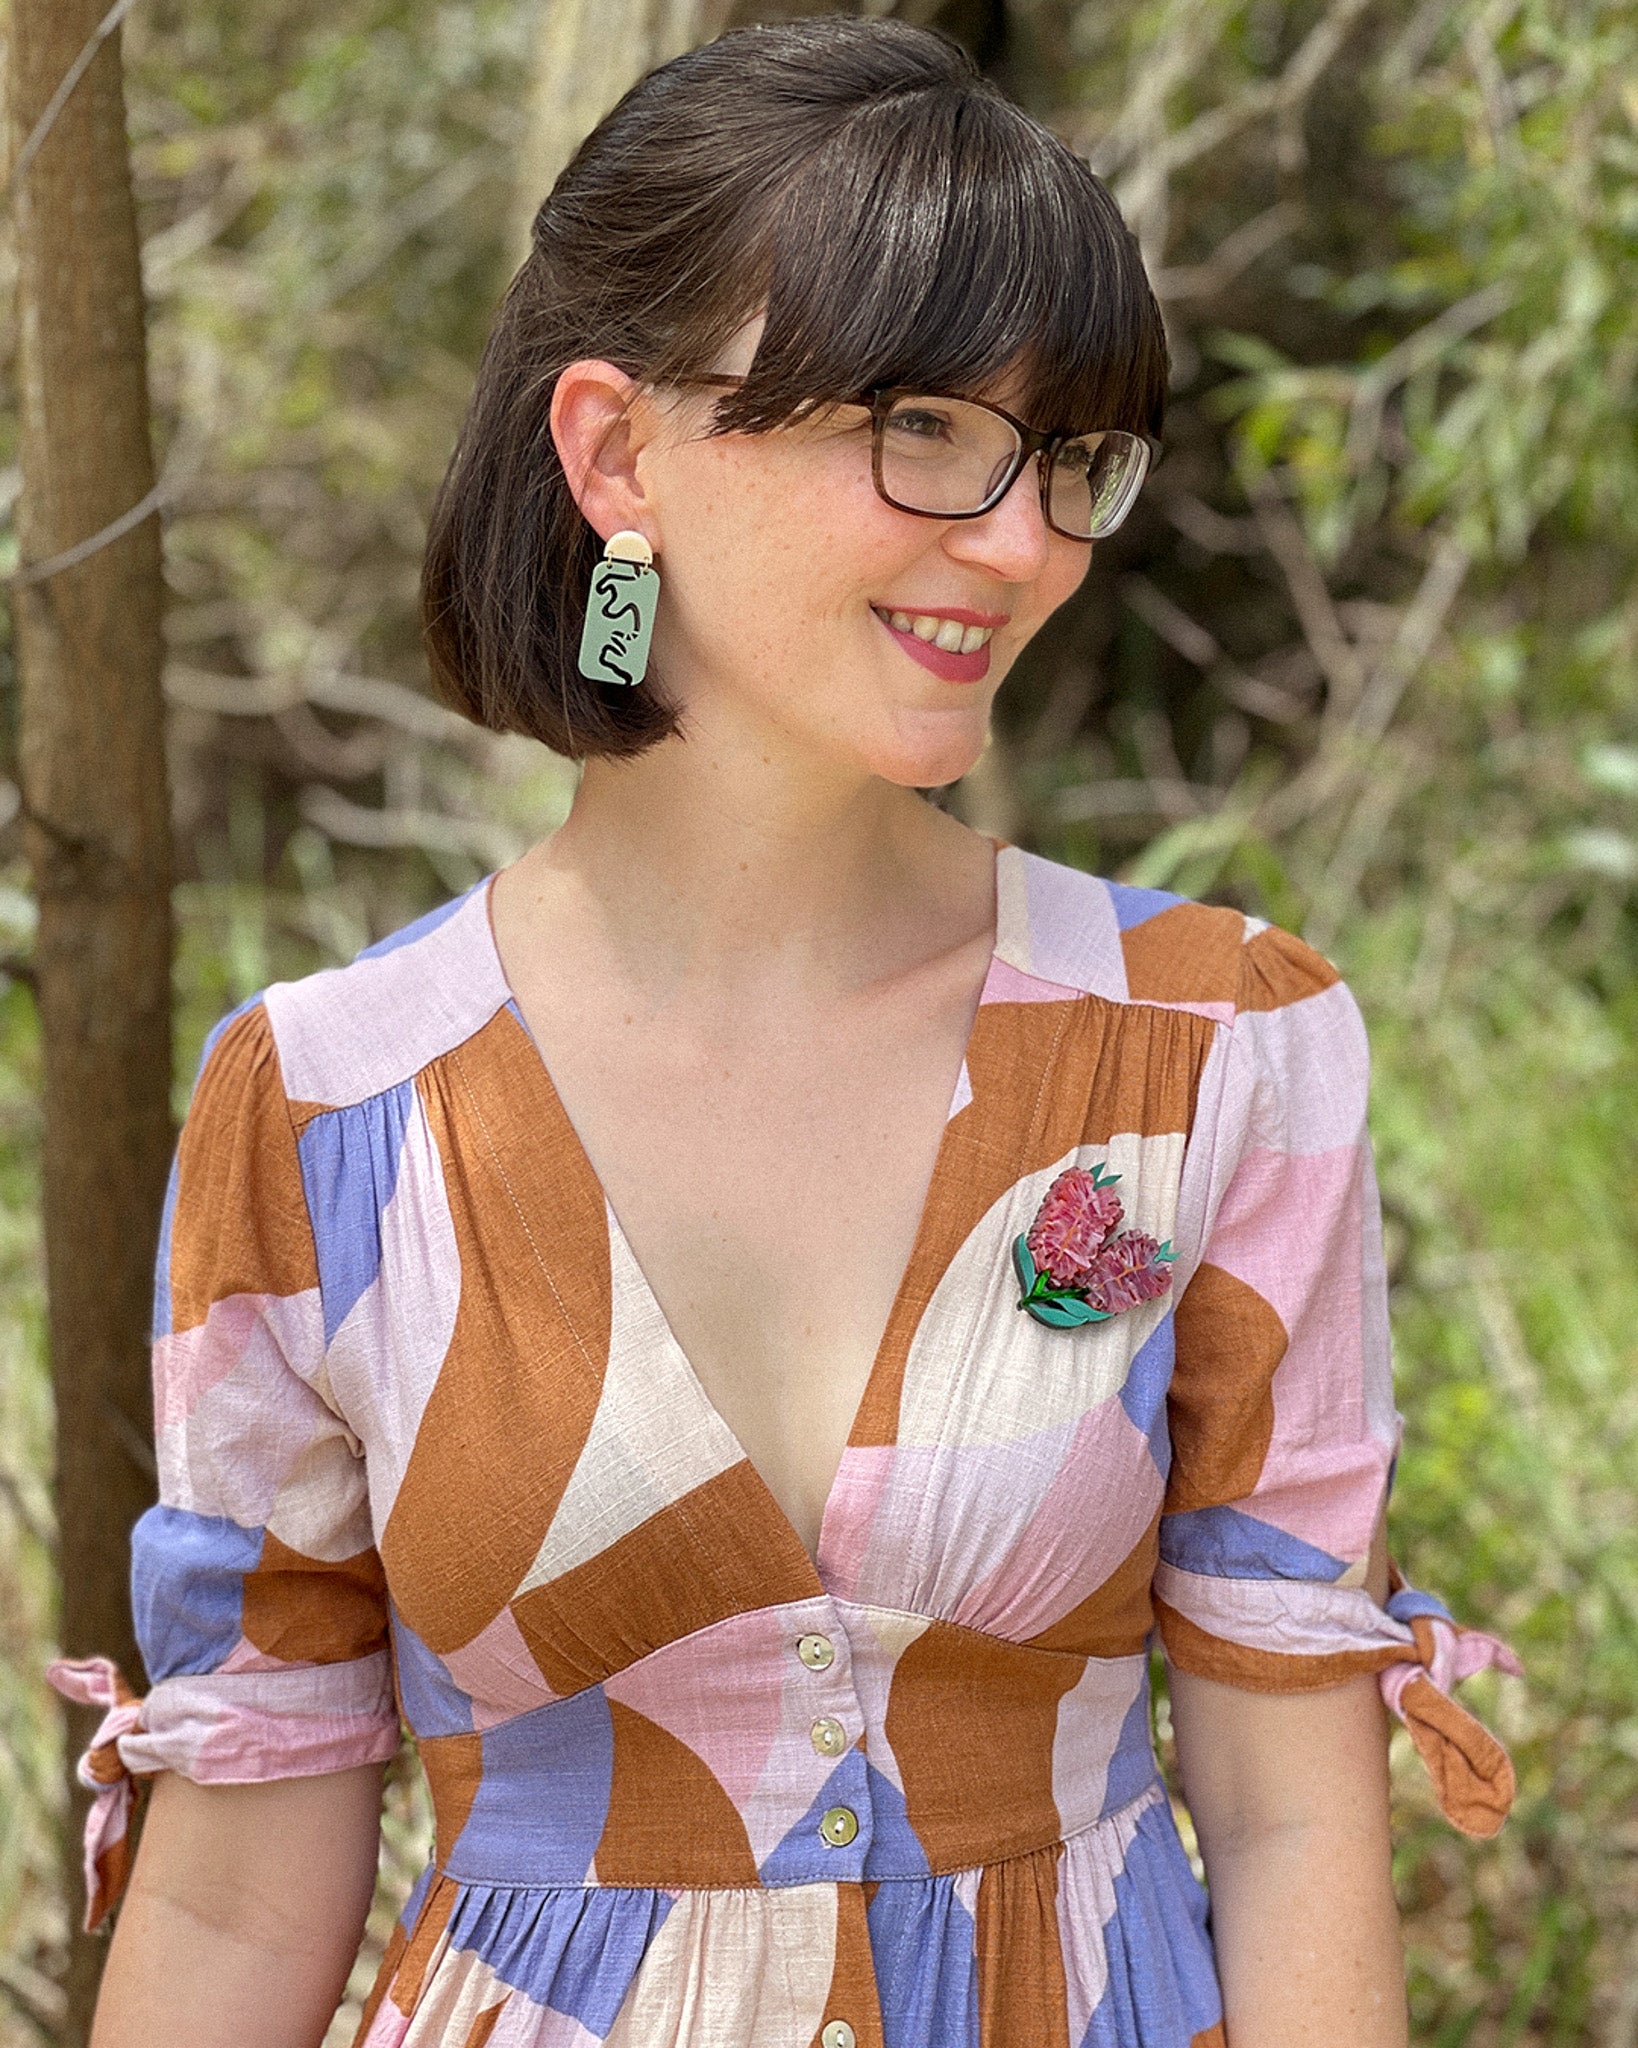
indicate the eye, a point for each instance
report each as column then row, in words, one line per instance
column 920, row 423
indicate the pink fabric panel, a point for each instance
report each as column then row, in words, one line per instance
column 238, row 1437
column 1088, row 1521
column 1290, row 1617
column 733, row 1727
column 253, row 1726
column 1008, row 984
column 497, row 1671
column 1074, row 938
column 420, row 999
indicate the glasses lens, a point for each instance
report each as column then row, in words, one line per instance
column 943, row 455
column 1094, row 481
column 947, row 456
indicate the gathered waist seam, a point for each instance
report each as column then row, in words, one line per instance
column 1137, row 1803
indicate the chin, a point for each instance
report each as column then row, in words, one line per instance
column 930, row 752
column 931, row 762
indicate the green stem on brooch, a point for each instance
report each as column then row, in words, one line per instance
column 1038, row 1286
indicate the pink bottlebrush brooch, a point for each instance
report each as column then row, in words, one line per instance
column 1075, row 1263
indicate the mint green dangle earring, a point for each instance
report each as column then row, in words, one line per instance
column 625, row 588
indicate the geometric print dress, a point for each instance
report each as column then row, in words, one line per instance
column 430, row 1458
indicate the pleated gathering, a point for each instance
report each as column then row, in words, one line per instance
column 1098, row 1941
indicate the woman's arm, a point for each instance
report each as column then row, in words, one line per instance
column 1289, row 1794
column 244, row 1914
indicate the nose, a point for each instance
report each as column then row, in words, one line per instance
column 1012, row 540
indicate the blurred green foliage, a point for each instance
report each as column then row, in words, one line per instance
column 1366, row 662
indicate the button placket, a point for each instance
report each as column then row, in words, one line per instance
column 840, row 1815
column 837, row 2034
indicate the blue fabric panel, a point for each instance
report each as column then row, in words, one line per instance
column 802, row 1857
column 1223, row 1543
column 349, row 1168
column 1148, row 1380
column 1137, row 906
column 573, row 1951
column 1132, row 1768
column 407, row 934
column 188, row 1588
column 1162, row 1987
column 433, row 1703
column 895, row 1847
column 162, row 1262
column 417, row 1898
column 1407, row 1603
column 539, row 1811
column 921, row 1940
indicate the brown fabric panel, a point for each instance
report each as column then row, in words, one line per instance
column 1471, row 1772
column 1115, row 1620
column 423, row 1944
column 301, row 1114
column 513, row 1404
column 1213, row 2037
column 1279, row 968
column 971, row 1720
column 1188, row 954
column 240, row 1225
column 454, row 1768
column 852, row 1995
column 484, row 2025
column 1046, row 1077
column 1221, row 1404
column 306, row 1611
column 1207, row 1656
column 721, row 1549
column 668, row 1818
column 1023, row 1993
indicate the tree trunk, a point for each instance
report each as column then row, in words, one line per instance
column 92, row 768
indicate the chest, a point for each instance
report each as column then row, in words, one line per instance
column 768, row 1164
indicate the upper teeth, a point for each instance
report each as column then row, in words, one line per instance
column 950, row 634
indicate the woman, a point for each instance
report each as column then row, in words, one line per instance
column 746, row 1319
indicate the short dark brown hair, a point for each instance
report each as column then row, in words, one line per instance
column 898, row 220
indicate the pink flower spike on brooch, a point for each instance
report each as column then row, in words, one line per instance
column 1075, row 1263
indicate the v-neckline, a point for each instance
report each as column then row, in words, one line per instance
column 692, row 1383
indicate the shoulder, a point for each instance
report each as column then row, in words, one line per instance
column 346, row 1034
column 1076, row 931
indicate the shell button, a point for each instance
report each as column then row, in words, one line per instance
column 837, row 2034
column 818, row 1653
column 839, row 1826
column 828, row 1736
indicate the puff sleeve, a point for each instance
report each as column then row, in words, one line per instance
column 257, row 1591
column 1284, row 1431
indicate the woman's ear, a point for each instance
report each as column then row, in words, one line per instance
column 600, row 425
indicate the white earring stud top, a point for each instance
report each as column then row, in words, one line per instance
column 627, row 546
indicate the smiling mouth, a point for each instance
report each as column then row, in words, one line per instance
column 937, row 629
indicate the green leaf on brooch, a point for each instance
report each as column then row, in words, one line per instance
column 1165, row 1255
column 1023, row 1265
column 1067, row 1312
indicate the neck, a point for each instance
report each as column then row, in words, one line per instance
column 730, row 859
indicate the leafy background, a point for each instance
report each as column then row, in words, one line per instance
column 1365, row 662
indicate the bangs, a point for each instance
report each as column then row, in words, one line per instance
column 937, row 240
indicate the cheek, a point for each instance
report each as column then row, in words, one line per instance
column 792, row 539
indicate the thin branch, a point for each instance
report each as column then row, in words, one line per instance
column 1316, row 614
column 1234, row 254
column 35, row 141
column 1415, row 353
column 1219, row 124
